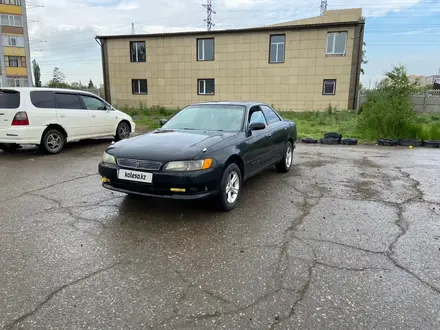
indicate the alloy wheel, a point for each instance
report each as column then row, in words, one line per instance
column 124, row 131
column 289, row 156
column 232, row 187
column 54, row 142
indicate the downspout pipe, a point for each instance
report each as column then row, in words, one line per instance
column 359, row 64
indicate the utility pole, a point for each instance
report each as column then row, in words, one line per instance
column 209, row 12
column 323, row 6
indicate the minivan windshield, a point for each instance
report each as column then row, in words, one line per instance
column 9, row 99
column 227, row 118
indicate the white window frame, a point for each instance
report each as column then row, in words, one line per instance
column 202, row 82
column 333, row 36
column 201, row 43
column 11, row 2
column 137, row 90
column 277, row 44
column 18, row 82
column 12, row 41
column 12, row 19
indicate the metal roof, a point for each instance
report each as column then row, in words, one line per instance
column 241, row 30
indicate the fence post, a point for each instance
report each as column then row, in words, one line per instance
column 425, row 101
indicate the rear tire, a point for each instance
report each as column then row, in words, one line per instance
column 285, row 164
column 230, row 188
column 9, row 147
column 123, row 131
column 52, row 142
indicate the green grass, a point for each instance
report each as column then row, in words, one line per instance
column 309, row 123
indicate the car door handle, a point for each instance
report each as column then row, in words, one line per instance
column 2, row 113
column 62, row 116
column 269, row 134
column 93, row 116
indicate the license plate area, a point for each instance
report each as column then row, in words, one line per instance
column 136, row 176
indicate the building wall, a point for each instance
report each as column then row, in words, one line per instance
column 13, row 26
column 241, row 70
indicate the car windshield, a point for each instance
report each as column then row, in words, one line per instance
column 228, row 118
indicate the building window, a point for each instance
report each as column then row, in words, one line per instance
column 13, row 41
column 11, row 2
column 277, row 48
column 139, row 86
column 205, row 49
column 329, row 87
column 137, row 51
column 12, row 20
column 206, row 86
column 336, row 43
column 16, row 82
column 15, row 61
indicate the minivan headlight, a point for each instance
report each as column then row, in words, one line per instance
column 108, row 159
column 189, row 165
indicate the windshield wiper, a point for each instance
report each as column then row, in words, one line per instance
column 189, row 129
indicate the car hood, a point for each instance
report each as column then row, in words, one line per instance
column 167, row 145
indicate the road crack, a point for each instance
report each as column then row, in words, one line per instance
column 55, row 292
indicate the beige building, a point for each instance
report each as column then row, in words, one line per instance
column 300, row 65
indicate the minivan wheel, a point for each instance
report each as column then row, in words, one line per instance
column 52, row 141
column 230, row 188
column 123, row 131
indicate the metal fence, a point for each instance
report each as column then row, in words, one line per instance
column 428, row 101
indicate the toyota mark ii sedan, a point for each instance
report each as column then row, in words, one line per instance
column 207, row 150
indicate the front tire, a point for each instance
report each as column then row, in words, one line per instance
column 123, row 131
column 52, row 142
column 230, row 188
column 285, row 164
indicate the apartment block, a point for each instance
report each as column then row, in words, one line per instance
column 14, row 44
column 299, row 65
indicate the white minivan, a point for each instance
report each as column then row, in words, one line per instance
column 51, row 117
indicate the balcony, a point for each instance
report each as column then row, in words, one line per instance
column 10, row 9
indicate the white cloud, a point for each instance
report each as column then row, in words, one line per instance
column 433, row 30
column 69, row 26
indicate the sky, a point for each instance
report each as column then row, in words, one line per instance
column 62, row 32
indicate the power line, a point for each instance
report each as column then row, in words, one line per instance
column 209, row 12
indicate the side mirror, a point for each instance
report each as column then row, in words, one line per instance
column 163, row 122
column 257, row 126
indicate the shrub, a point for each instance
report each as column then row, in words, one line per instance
column 389, row 112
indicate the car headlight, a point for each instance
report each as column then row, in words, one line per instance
column 108, row 159
column 189, row 165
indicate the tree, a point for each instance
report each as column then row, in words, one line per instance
column 389, row 112
column 91, row 84
column 363, row 59
column 58, row 79
column 37, row 73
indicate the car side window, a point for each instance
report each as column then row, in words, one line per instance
column 92, row 103
column 68, row 101
column 257, row 117
column 270, row 115
column 42, row 99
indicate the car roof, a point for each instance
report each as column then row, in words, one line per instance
column 247, row 104
column 48, row 89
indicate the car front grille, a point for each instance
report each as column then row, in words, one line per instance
column 139, row 164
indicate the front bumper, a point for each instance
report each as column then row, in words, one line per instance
column 172, row 185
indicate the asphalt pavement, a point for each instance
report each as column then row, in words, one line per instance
column 349, row 239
